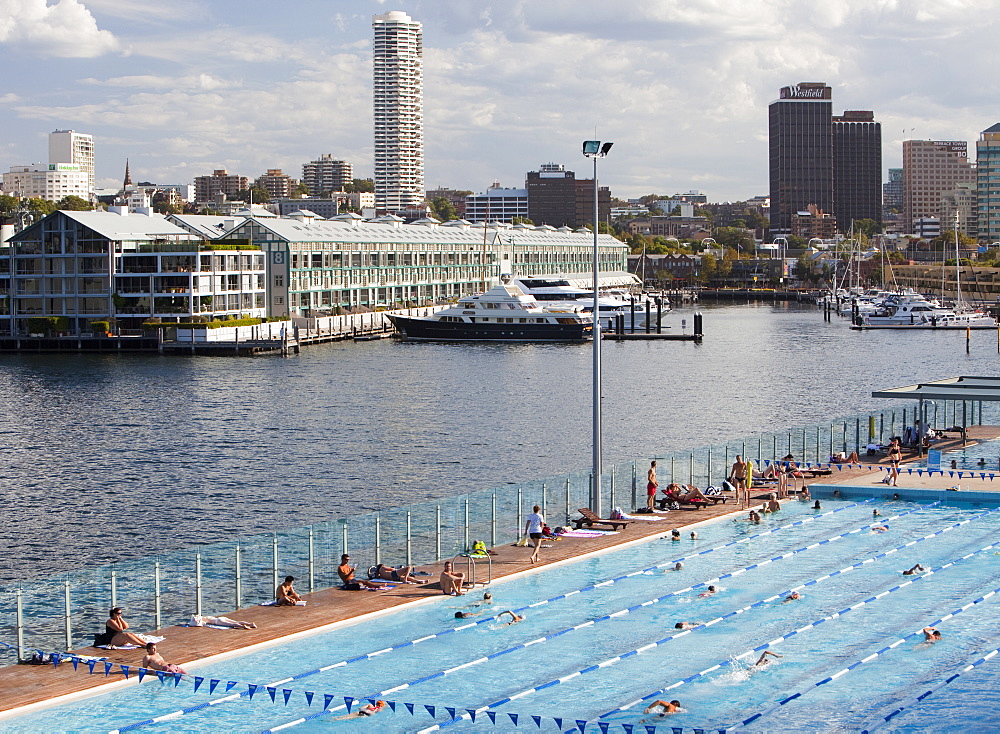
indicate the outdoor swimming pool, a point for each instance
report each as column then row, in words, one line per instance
column 852, row 654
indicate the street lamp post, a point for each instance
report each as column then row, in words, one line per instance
column 595, row 149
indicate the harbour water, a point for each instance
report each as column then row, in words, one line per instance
column 109, row 457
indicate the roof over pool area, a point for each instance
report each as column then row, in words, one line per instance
column 982, row 388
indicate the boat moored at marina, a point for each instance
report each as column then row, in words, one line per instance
column 503, row 313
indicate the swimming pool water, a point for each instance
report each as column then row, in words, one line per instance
column 866, row 609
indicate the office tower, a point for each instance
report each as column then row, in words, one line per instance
column 399, row 135
column 800, row 153
column 497, row 204
column 930, row 168
column 892, row 190
column 857, row 168
column 326, row 174
column 556, row 197
column 69, row 146
column 988, row 184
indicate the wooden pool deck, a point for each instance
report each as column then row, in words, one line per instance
column 27, row 687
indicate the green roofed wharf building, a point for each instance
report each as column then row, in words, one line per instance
column 126, row 268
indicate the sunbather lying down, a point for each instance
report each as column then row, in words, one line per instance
column 684, row 493
column 204, row 621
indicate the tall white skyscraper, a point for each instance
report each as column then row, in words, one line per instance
column 399, row 111
column 69, row 146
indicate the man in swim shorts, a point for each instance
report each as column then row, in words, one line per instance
column 399, row 575
column 285, row 594
column 152, row 660
column 651, row 485
column 346, row 573
column 451, row 582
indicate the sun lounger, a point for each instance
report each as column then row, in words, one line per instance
column 590, row 519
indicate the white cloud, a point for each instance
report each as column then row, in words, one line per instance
column 64, row 29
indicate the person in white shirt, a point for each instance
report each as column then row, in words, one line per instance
column 533, row 529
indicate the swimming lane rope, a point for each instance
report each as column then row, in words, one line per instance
column 844, row 671
column 535, row 605
column 930, row 691
column 846, row 569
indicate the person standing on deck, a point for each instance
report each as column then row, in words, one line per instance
column 651, row 485
column 533, row 529
column 738, row 476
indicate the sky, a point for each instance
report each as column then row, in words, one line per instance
column 183, row 87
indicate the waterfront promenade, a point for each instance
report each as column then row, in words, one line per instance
column 33, row 686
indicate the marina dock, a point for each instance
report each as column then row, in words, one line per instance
column 38, row 686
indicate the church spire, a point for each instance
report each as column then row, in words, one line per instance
column 128, row 176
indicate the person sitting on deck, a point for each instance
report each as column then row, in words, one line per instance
column 285, row 594
column 451, row 581
column 116, row 632
column 400, row 574
column 152, row 660
column 845, row 458
column 346, row 573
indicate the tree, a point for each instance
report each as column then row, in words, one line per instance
column 360, row 185
column 867, row 227
column 795, row 242
column 443, row 209
column 260, row 196
column 733, row 237
column 301, row 190
column 40, row 207
column 8, row 204
column 709, row 267
column 73, row 204
column 522, row 220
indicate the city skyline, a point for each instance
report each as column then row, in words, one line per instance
column 682, row 88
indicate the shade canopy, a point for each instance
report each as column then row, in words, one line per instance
column 986, row 389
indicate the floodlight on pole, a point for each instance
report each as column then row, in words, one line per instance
column 594, row 149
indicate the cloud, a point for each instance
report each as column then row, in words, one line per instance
column 64, row 29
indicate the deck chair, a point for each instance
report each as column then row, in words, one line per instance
column 590, row 518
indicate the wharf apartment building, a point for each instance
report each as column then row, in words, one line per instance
column 127, row 266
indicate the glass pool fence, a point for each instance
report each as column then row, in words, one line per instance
column 64, row 612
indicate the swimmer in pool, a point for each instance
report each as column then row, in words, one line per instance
column 931, row 634
column 817, row 506
column 762, row 660
column 754, row 518
column 687, row 625
column 694, row 535
column 465, row 615
column 914, row 571
column 675, row 534
column 792, row 597
column 876, row 513
column 708, row 592
column 678, row 566
column 669, row 707
column 879, row 528
column 514, row 618
column 369, row 709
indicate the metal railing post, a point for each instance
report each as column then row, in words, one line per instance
column 437, row 535
column 68, row 618
column 634, row 490
column 197, row 584
column 493, row 520
column 409, row 541
column 114, row 586
column 238, row 579
column 520, row 514
column 346, row 551
column 378, row 538
column 19, row 601
column 157, row 616
column 691, row 467
column 612, row 488
column 671, row 469
column 274, row 561
column 708, row 470
column 466, row 533
column 312, row 561
column 545, row 503
column 567, row 506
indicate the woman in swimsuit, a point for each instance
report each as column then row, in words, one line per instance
column 115, row 631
